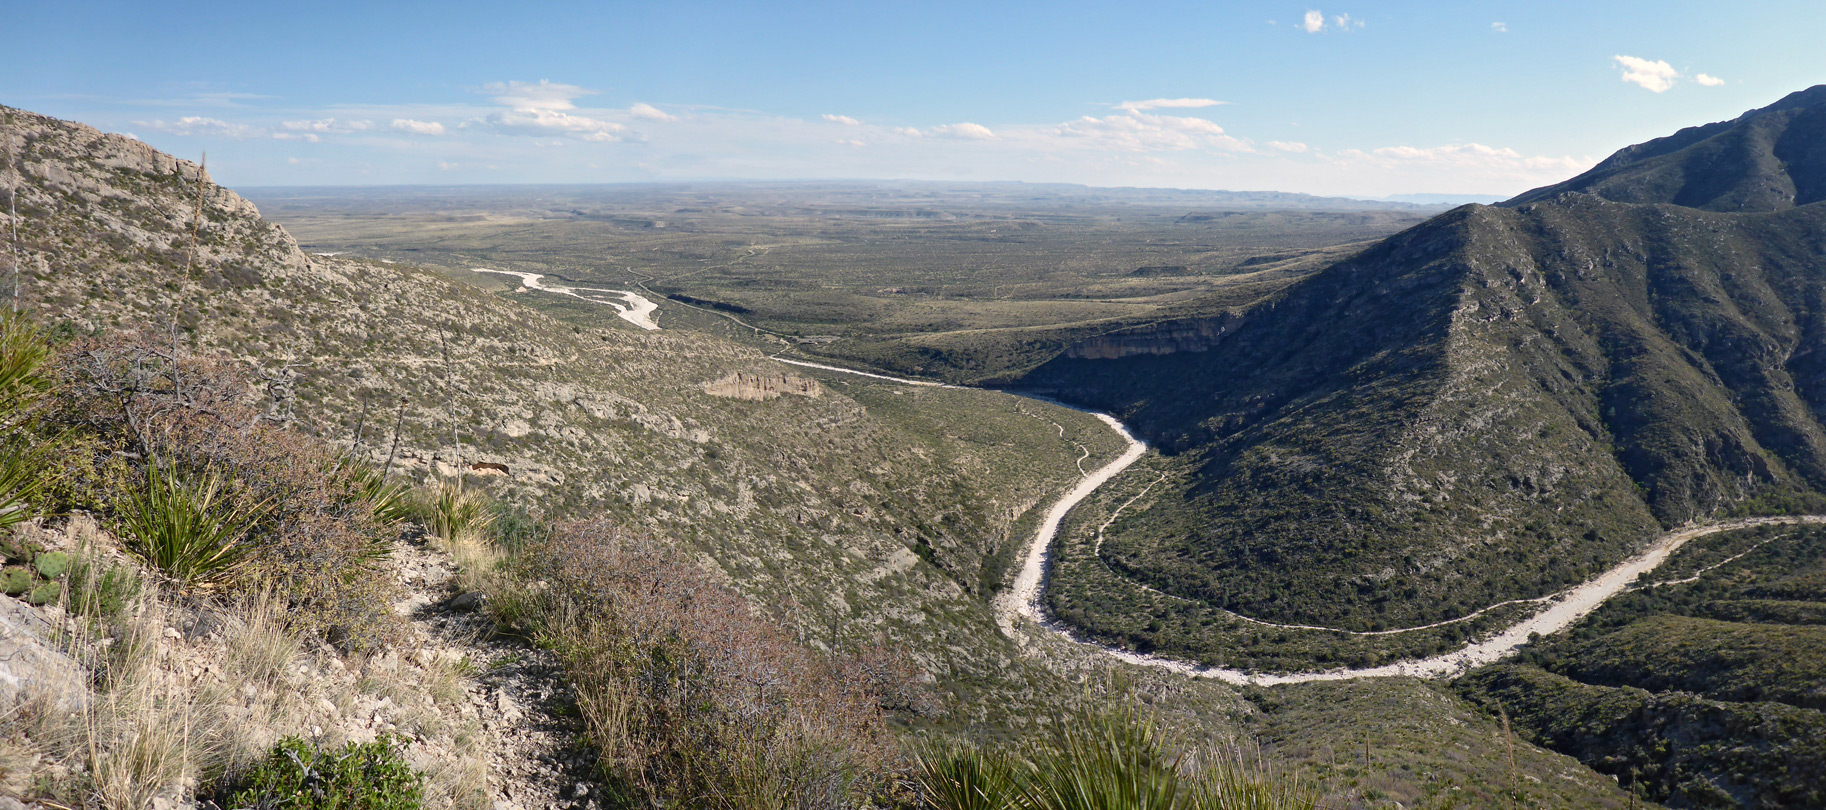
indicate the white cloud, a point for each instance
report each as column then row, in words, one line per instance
column 545, row 95
column 1708, row 81
column 326, row 126
column 445, row 165
column 1289, row 146
column 852, row 142
column 966, row 130
column 650, row 112
column 307, row 137
column 1313, row 22
column 553, row 122
column 1346, row 22
column 1500, row 27
column 1141, row 132
column 541, row 109
column 1656, row 76
column 415, row 127
column 1475, row 157
column 910, row 132
column 205, row 127
column 842, row 119
column 1161, row 103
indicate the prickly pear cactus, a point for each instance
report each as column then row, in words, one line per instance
column 45, row 593
column 15, row 581
column 52, row 565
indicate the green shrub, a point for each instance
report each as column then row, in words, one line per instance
column 183, row 526
column 298, row 775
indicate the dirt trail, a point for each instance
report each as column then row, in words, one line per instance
column 528, row 721
column 1022, row 600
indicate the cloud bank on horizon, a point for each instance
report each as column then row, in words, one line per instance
column 1329, row 99
column 1163, row 141
column 1146, row 142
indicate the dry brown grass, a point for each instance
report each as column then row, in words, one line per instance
column 262, row 644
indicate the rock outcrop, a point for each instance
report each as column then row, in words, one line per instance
column 762, row 387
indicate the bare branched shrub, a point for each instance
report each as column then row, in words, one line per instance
column 690, row 696
column 322, row 521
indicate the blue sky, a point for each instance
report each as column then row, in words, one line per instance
column 1362, row 99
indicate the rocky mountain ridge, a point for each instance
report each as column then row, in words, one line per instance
column 1494, row 403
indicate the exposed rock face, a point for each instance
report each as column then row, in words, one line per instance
column 146, row 201
column 27, row 659
column 1166, row 337
column 761, row 387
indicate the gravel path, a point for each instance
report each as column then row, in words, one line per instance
column 634, row 308
column 1562, row 610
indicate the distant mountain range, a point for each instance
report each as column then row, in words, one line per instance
column 1502, row 400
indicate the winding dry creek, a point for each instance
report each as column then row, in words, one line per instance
column 1021, row 601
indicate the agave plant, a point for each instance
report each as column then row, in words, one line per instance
column 187, row 527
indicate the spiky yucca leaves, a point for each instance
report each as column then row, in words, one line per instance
column 23, row 384
column 23, row 380
column 186, row 526
column 960, row 778
column 390, row 501
column 1116, row 758
column 1234, row 782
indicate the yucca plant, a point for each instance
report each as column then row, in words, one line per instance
column 1115, row 759
column 186, row 526
column 1234, row 783
column 23, row 382
column 390, row 501
column 1119, row 758
column 955, row 777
